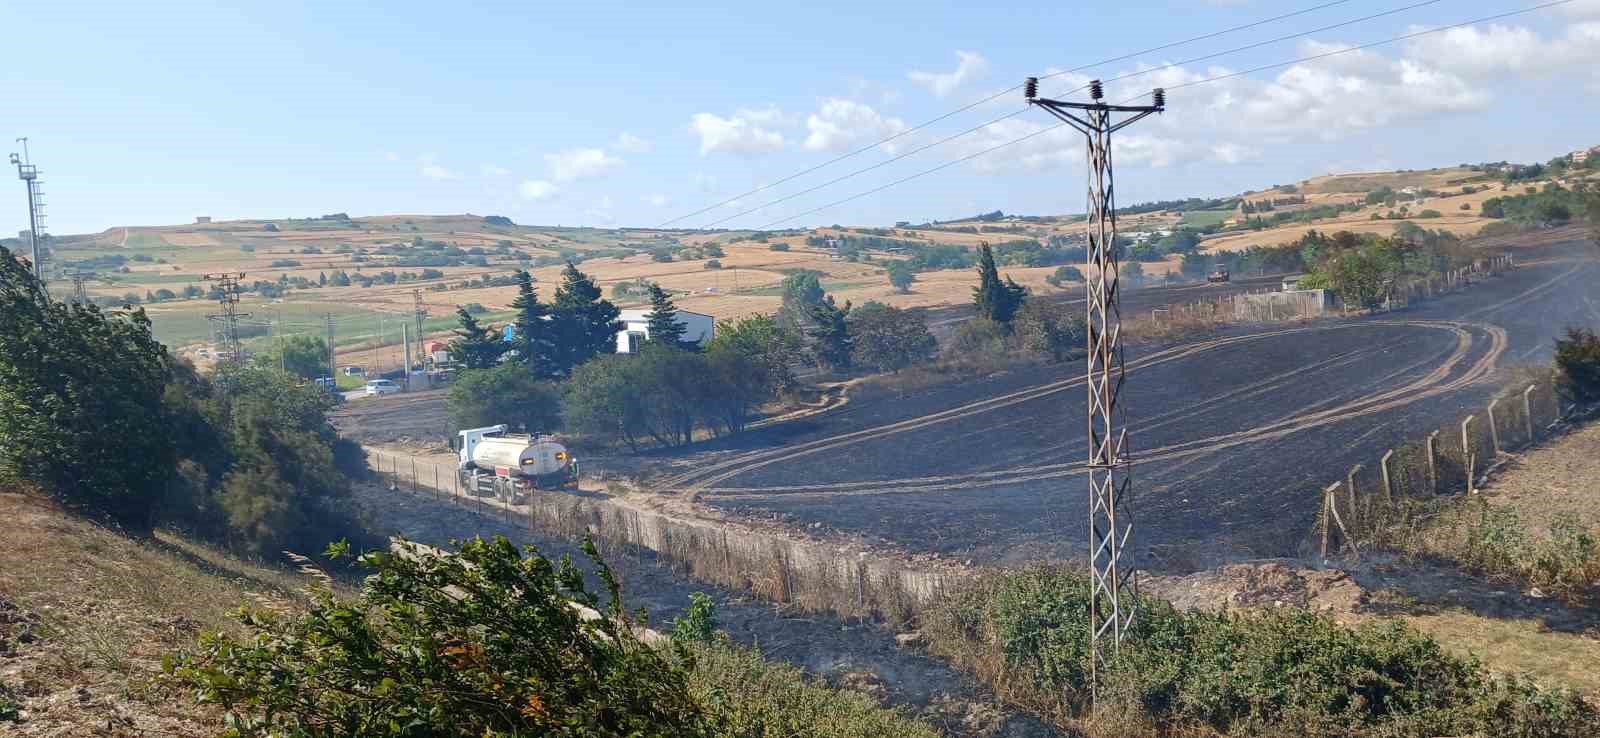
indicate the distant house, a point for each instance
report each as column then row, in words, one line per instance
column 202, row 219
column 698, row 328
column 1579, row 157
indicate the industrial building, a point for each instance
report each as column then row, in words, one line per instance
column 698, row 328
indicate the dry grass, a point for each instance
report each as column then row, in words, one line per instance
column 1515, row 645
column 100, row 609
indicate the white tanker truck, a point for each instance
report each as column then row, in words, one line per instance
column 493, row 462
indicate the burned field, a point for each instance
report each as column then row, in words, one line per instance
column 1233, row 434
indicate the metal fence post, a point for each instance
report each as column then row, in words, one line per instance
column 1433, row 469
column 1494, row 432
column 1466, row 444
column 1350, row 479
column 1383, row 465
column 1527, row 410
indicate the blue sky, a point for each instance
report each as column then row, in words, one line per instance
column 602, row 113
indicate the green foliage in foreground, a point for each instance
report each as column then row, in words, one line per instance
column 485, row 642
column 1278, row 672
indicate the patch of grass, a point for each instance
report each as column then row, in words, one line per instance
column 1551, row 657
column 1274, row 673
column 1205, row 218
column 1491, row 540
column 746, row 695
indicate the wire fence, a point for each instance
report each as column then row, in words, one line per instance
column 1454, row 460
column 811, row 575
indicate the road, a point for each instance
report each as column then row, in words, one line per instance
column 1232, row 434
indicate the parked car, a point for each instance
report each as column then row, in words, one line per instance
column 354, row 371
column 382, row 387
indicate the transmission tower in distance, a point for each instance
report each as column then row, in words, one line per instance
column 228, row 288
column 420, row 312
column 1113, row 584
column 29, row 174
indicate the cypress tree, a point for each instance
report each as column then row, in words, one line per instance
column 995, row 299
column 585, row 324
column 475, row 347
column 663, row 326
column 534, row 338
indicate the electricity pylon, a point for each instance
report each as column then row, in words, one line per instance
column 228, row 287
column 1113, row 586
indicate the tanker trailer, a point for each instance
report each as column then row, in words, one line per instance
column 506, row 465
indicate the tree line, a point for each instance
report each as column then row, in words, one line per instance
column 100, row 416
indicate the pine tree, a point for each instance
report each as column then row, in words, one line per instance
column 585, row 324
column 475, row 347
column 322, row 279
column 831, row 332
column 996, row 300
column 533, row 338
column 663, row 326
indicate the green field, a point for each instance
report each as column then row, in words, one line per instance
column 1205, row 218
column 177, row 324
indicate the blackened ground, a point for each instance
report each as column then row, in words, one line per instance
column 1233, row 434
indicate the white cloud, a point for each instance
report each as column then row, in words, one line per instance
column 434, row 171
column 536, row 190
column 630, row 144
column 841, row 124
column 1232, row 153
column 1580, row 9
column 390, row 156
column 970, row 65
column 573, row 164
column 491, row 170
column 657, row 200
column 746, row 132
column 1496, row 50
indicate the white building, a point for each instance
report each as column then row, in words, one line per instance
column 635, row 331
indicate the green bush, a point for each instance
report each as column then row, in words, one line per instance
column 482, row 642
column 1276, row 672
column 1578, row 364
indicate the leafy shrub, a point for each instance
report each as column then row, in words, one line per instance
column 713, row 264
column 976, row 339
column 1275, row 672
column 284, row 263
column 1578, row 362
column 1064, row 274
column 777, row 246
column 480, row 642
column 699, row 623
column 1041, row 330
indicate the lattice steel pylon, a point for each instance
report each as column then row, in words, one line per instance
column 228, row 298
column 1113, row 584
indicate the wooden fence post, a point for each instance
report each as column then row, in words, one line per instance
column 1494, row 433
column 1466, row 453
column 1466, row 444
column 1527, row 410
column 413, row 471
column 1383, row 464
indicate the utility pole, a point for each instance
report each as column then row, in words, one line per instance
column 419, row 311
column 328, row 317
column 1113, row 588
column 228, row 285
column 376, row 342
column 29, row 174
column 406, row 342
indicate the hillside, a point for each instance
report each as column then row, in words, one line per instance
column 368, row 274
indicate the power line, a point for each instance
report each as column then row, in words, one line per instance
column 1300, row 60
column 1015, row 113
column 995, row 96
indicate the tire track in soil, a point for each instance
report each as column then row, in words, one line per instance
column 1426, row 386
